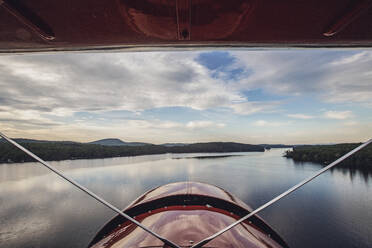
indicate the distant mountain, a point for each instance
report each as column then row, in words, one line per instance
column 116, row 142
column 104, row 142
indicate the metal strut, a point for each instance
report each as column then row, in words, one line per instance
column 294, row 188
column 82, row 188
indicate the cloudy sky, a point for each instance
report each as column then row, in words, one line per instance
column 280, row 96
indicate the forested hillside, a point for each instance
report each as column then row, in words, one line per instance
column 67, row 150
column 326, row 154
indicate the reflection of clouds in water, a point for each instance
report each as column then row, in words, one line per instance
column 348, row 204
column 255, row 180
column 44, row 211
column 35, row 184
column 27, row 227
column 9, row 172
column 33, row 203
column 16, row 171
column 324, row 209
column 35, row 208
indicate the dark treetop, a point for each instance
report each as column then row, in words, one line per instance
column 71, row 150
column 325, row 154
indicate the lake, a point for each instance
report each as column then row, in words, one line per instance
column 38, row 209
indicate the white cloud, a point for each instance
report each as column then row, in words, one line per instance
column 331, row 76
column 301, row 116
column 30, row 118
column 263, row 123
column 339, row 115
column 39, row 92
column 153, row 124
column 351, row 123
column 41, row 95
column 350, row 59
column 203, row 124
column 94, row 82
column 248, row 108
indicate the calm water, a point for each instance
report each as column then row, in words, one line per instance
column 37, row 209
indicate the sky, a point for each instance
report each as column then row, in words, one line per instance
column 293, row 96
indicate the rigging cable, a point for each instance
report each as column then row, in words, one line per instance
column 101, row 200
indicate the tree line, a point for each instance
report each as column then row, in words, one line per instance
column 55, row 151
column 325, row 154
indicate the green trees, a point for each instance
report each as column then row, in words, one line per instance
column 68, row 150
column 325, row 154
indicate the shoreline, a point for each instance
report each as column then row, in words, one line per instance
column 326, row 154
column 61, row 152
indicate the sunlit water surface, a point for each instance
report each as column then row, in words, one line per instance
column 38, row 209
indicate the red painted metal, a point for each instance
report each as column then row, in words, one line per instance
column 185, row 188
column 352, row 13
column 29, row 25
column 183, row 226
column 29, row 22
column 186, row 224
column 183, row 9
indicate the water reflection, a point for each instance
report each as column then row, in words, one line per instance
column 352, row 171
column 37, row 209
